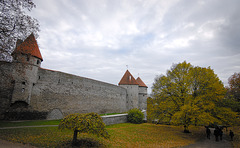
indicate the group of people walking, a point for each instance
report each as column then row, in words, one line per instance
column 218, row 133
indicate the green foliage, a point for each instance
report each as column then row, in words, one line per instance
column 150, row 110
column 135, row 116
column 90, row 123
column 230, row 102
column 189, row 95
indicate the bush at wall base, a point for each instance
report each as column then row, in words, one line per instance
column 135, row 116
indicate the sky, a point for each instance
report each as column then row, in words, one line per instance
column 101, row 39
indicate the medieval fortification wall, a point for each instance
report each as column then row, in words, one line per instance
column 72, row 94
column 28, row 91
column 59, row 92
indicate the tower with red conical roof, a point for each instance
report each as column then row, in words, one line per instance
column 26, row 59
column 136, row 91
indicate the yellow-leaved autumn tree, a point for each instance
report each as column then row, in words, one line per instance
column 90, row 123
column 189, row 95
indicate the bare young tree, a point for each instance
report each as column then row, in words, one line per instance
column 15, row 24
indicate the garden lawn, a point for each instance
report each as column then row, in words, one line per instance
column 37, row 122
column 28, row 123
column 152, row 135
column 122, row 135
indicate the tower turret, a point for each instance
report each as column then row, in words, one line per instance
column 128, row 82
column 26, row 60
column 142, row 94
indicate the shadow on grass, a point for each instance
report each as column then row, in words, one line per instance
column 83, row 143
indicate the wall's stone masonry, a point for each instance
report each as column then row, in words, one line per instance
column 72, row 94
column 6, row 87
column 25, row 77
column 55, row 114
column 142, row 98
column 114, row 119
column 132, row 96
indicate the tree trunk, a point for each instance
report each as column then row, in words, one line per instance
column 186, row 129
column 75, row 137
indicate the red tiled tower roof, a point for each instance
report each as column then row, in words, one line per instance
column 128, row 79
column 140, row 82
column 29, row 46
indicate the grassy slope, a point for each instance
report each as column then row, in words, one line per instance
column 122, row 135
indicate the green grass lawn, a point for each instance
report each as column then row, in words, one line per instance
column 28, row 123
column 37, row 122
column 122, row 135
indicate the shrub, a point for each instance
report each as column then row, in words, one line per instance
column 90, row 123
column 135, row 116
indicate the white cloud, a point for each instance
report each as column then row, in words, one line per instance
column 179, row 43
column 189, row 25
column 209, row 29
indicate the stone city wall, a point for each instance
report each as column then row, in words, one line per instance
column 6, row 86
column 114, row 119
column 73, row 94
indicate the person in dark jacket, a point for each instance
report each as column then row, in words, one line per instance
column 208, row 132
column 231, row 134
column 220, row 133
column 216, row 133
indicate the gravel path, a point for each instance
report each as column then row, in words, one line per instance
column 211, row 143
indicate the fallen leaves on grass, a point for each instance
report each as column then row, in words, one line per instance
column 122, row 135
